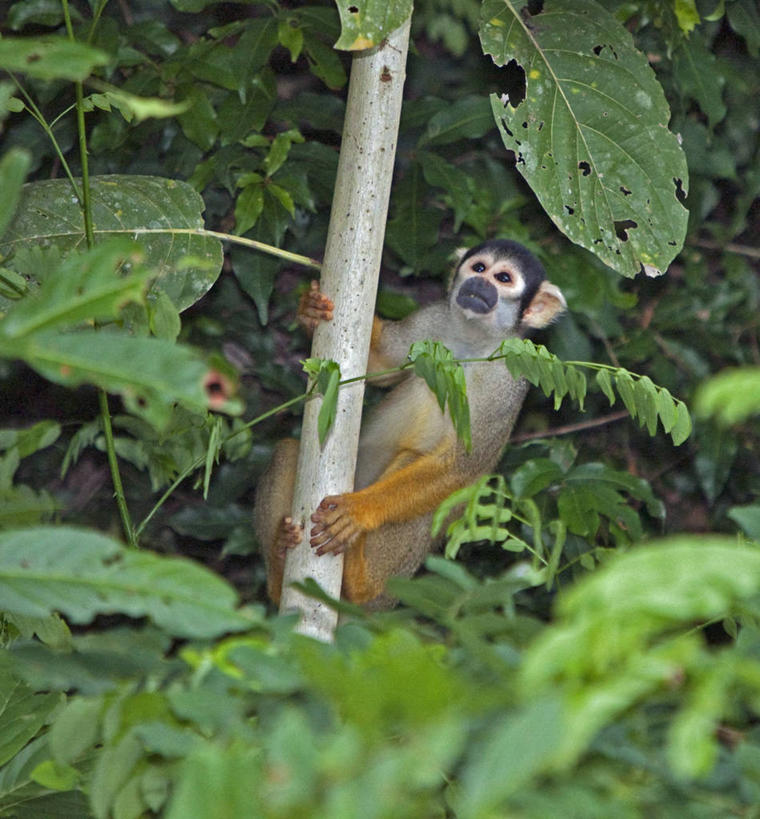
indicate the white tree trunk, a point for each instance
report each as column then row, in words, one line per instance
column 349, row 277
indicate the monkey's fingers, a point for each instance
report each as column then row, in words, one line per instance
column 287, row 536
column 334, row 527
column 314, row 307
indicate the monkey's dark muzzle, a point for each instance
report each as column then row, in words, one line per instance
column 477, row 295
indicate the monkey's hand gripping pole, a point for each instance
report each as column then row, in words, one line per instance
column 349, row 277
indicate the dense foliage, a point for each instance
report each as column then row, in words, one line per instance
column 593, row 649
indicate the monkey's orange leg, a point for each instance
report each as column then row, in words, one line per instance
column 402, row 495
column 357, row 586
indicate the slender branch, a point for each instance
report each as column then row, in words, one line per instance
column 296, row 258
column 568, row 429
column 36, row 115
column 113, row 463
column 86, row 204
column 730, row 247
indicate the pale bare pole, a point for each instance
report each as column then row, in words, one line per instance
column 349, row 277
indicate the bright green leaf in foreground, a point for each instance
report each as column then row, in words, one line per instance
column 627, row 630
column 88, row 286
column 22, row 713
column 82, row 573
column 731, row 396
column 608, row 172
column 151, row 374
column 13, row 169
column 50, row 58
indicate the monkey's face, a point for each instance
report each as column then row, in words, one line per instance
column 489, row 287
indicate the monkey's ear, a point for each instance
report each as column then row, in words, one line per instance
column 458, row 253
column 547, row 305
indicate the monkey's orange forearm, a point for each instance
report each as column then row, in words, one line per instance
column 407, row 493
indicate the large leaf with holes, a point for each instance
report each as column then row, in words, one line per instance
column 589, row 130
column 163, row 214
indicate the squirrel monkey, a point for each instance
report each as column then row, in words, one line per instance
column 410, row 458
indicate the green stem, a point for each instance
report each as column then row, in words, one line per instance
column 36, row 114
column 199, row 462
column 118, row 488
column 296, row 258
column 89, row 232
column 86, row 203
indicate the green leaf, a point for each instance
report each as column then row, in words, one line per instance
column 216, row 776
column 591, row 134
column 22, row 713
column 13, row 169
column 199, row 120
column 687, row 15
column 290, row 37
column 31, row 439
column 731, row 396
column 626, row 388
column 113, row 767
column 682, row 427
column 413, row 228
column 534, row 476
column 745, row 21
column 81, row 574
column 466, row 118
column 748, row 517
column 324, row 62
column 515, row 749
column 150, row 374
column 50, row 58
column 445, row 377
column 248, row 207
column 164, row 319
column 57, row 777
column 165, row 214
column 604, row 383
column 699, row 76
column 326, row 375
column 137, row 108
column 440, row 173
column 24, row 799
column 88, row 286
column 577, row 508
column 366, row 23
column 646, row 403
column 41, row 12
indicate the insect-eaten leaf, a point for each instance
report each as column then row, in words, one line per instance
column 164, row 214
column 366, row 23
column 587, row 121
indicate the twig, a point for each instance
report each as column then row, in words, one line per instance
column 731, row 247
column 570, row 428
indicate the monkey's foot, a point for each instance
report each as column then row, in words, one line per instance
column 314, row 307
column 287, row 536
column 335, row 525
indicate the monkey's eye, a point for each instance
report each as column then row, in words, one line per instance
column 503, row 277
column 478, row 267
